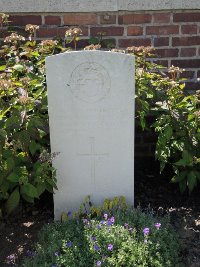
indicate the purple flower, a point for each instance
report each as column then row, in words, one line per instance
column 10, row 259
column 54, row 265
column 105, row 216
column 69, row 244
column 146, row 231
column 99, row 226
column 96, row 247
column 157, row 225
column 110, row 247
column 126, row 225
column 30, row 253
column 112, row 219
column 56, row 253
column 93, row 238
column 109, row 222
column 98, row 263
column 69, row 214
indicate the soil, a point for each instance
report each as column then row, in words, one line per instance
column 152, row 191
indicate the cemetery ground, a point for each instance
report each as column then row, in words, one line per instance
column 153, row 193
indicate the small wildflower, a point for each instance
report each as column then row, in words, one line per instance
column 92, row 47
column 157, row 225
column 93, row 238
column 109, row 222
column 14, row 38
column 69, row 214
column 105, row 216
column 146, row 231
column 110, row 247
column 56, row 253
column 31, row 28
column 10, row 259
column 96, row 247
column 112, row 219
column 126, row 225
column 145, row 241
column 69, row 244
column 98, row 226
column 49, row 43
column 30, row 253
column 98, row 263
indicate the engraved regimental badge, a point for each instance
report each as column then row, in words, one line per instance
column 90, row 82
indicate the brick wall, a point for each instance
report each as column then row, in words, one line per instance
column 174, row 34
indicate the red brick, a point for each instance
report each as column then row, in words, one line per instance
column 107, row 19
column 52, row 20
column 109, row 31
column 83, row 19
column 188, row 52
column 134, row 42
column 80, row 44
column 57, row 32
column 187, row 17
column 187, row 74
column 167, row 52
column 186, row 41
column 163, row 63
column 162, row 30
column 24, row 20
column 135, row 30
column 135, row 18
column 189, row 29
column 161, row 41
column 186, row 63
column 191, row 86
column 161, row 17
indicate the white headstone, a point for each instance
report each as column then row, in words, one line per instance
column 91, row 112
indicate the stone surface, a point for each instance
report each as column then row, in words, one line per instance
column 18, row 6
column 91, row 109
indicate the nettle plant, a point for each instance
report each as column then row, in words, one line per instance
column 25, row 159
column 177, row 117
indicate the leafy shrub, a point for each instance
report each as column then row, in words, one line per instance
column 25, row 159
column 177, row 117
column 121, row 236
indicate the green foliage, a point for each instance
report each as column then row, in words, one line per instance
column 117, row 236
column 177, row 117
column 25, row 162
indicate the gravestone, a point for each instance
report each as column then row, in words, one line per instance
column 91, row 117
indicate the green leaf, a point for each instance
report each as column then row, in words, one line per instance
column 13, row 201
column 10, row 164
column 168, row 132
column 182, row 185
column 13, row 177
column 41, row 188
column 28, row 199
column 191, row 181
column 179, row 177
column 2, row 68
column 18, row 67
column 33, row 147
column 29, row 190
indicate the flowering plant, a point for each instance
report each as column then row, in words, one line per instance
column 117, row 237
column 25, row 160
